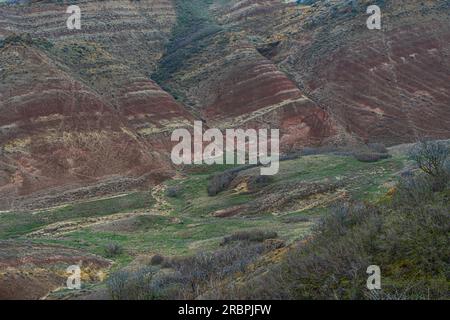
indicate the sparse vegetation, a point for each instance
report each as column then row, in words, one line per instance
column 378, row 147
column 132, row 285
column 14, row 224
column 432, row 158
column 250, row 235
column 370, row 156
column 409, row 245
column 189, row 276
column 220, row 181
column 241, row 246
column 113, row 249
column 157, row 259
column 193, row 29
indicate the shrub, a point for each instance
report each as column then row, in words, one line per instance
column 206, row 269
column 413, row 190
column 432, row 158
column 188, row 278
column 157, row 259
column 250, row 235
column 409, row 244
column 296, row 219
column 370, row 156
column 112, row 249
column 133, row 285
column 173, row 192
column 219, row 182
column 259, row 181
column 378, row 147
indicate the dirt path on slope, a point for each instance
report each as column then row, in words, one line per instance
column 57, row 229
column 161, row 205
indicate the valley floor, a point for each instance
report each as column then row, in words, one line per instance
column 179, row 218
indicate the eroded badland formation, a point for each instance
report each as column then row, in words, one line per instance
column 89, row 113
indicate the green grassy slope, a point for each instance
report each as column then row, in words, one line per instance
column 186, row 225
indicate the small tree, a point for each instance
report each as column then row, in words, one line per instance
column 431, row 157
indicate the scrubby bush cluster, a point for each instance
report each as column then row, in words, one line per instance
column 433, row 159
column 185, row 277
column 132, row 285
column 157, row 259
column 112, row 249
column 378, row 147
column 220, row 181
column 407, row 234
column 372, row 152
column 250, row 235
column 410, row 244
column 370, row 156
column 173, row 192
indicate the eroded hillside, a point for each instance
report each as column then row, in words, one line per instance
column 313, row 71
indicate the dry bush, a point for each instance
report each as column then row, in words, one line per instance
column 413, row 190
column 433, row 158
column 296, row 219
column 173, row 192
column 409, row 243
column 132, row 285
column 370, row 156
column 157, row 259
column 220, row 182
column 188, row 278
column 250, row 235
column 113, row 249
column 378, row 147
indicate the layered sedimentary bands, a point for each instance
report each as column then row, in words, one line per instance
column 387, row 85
column 79, row 108
column 97, row 105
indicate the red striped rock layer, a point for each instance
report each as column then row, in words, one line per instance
column 387, row 85
column 79, row 108
column 135, row 31
column 57, row 131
